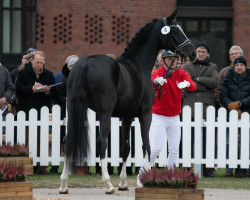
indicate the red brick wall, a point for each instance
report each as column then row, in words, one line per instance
column 133, row 14
column 241, row 26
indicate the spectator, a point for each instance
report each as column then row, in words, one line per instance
column 181, row 61
column 15, row 105
column 34, row 90
column 58, row 76
column 234, row 52
column 33, row 84
column 166, row 109
column 235, row 95
column 159, row 62
column 14, row 72
column 205, row 74
column 7, row 90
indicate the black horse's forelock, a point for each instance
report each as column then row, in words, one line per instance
column 139, row 35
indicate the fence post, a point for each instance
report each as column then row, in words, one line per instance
column 198, row 141
column 9, row 130
column 186, row 136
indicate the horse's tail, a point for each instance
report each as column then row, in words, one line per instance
column 77, row 143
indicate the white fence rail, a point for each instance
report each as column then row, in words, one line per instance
column 215, row 138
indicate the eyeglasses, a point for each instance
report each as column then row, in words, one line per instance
column 234, row 54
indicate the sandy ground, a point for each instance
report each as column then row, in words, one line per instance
column 99, row 194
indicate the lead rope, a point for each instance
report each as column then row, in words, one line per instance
column 166, row 76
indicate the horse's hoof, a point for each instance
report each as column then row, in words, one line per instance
column 110, row 191
column 123, row 188
column 64, row 192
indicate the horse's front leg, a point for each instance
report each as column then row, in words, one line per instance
column 105, row 122
column 64, row 178
column 126, row 124
column 145, row 122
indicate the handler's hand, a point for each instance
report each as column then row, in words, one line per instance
column 183, row 84
column 160, row 80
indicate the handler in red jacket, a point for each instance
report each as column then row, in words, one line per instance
column 168, row 82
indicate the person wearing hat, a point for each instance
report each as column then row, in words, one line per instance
column 235, row 95
column 25, row 59
column 205, row 75
column 168, row 82
column 234, row 52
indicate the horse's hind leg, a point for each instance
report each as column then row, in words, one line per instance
column 105, row 122
column 64, row 178
column 126, row 124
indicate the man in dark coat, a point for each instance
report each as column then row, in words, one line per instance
column 235, row 95
column 33, row 84
column 7, row 90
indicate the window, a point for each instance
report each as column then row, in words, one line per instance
column 17, row 25
column 211, row 22
column 216, row 33
column 205, row 3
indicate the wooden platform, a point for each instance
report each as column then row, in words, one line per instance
column 16, row 190
column 168, row 194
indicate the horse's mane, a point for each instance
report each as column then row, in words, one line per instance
column 139, row 35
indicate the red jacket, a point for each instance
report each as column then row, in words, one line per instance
column 170, row 102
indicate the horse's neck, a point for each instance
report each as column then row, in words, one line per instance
column 143, row 57
column 144, row 53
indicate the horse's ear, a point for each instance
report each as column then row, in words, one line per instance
column 171, row 17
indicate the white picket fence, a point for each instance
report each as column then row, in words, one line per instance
column 51, row 129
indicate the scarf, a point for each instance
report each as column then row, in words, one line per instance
column 203, row 62
column 240, row 77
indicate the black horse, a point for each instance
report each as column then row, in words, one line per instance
column 118, row 88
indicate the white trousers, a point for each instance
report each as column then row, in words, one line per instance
column 160, row 127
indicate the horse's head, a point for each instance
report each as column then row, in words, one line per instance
column 174, row 37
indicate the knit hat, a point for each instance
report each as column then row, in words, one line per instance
column 203, row 44
column 240, row 59
column 72, row 60
column 29, row 51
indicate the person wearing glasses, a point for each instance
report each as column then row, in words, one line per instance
column 234, row 52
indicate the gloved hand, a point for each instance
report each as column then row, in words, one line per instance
column 183, row 84
column 233, row 106
column 239, row 113
column 160, row 80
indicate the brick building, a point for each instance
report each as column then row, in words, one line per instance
column 61, row 28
